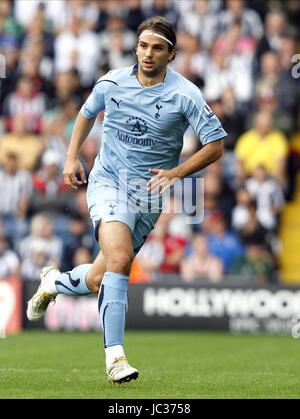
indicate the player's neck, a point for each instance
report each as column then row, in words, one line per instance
column 147, row 81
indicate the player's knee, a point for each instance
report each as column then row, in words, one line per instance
column 120, row 262
column 94, row 282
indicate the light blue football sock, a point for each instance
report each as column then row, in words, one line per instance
column 112, row 305
column 73, row 282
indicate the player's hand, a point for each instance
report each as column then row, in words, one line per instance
column 162, row 180
column 72, row 167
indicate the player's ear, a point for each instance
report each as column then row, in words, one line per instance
column 172, row 55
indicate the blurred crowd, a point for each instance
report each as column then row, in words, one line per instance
column 242, row 54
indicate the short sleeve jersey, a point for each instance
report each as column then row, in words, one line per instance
column 143, row 127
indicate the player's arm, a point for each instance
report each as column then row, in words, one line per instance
column 208, row 154
column 209, row 131
column 73, row 165
column 165, row 178
column 85, row 120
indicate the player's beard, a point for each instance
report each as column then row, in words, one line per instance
column 154, row 72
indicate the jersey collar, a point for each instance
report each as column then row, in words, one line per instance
column 162, row 83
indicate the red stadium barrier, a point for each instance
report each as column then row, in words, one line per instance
column 11, row 301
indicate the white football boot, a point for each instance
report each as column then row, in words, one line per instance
column 38, row 304
column 121, row 372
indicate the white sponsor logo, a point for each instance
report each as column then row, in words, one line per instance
column 296, row 326
column 261, row 304
column 296, row 68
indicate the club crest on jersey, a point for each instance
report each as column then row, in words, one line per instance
column 158, row 107
column 208, row 111
column 112, row 209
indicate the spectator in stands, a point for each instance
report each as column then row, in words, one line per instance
column 67, row 84
column 135, row 14
column 30, row 66
column 168, row 241
column 10, row 35
column 34, row 262
column 38, row 31
column 41, row 248
column 76, row 47
column 232, row 118
column 227, row 110
column 190, row 60
column 49, row 190
column 165, row 9
column 274, row 29
column 234, row 41
column 15, row 192
column 263, row 146
column 117, row 42
column 79, row 235
column 26, row 102
column 67, row 114
column 200, row 22
column 103, row 6
column 294, row 162
column 58, row 121
column 148, row 261
column 252, row 232
column 26, row 145
column 222, row 243
column 86, row 10
column 250, row 19
column 255, row 266
column 54, row 136
column 228, row 69
column 9, row 261
column 174, row 240
column 268, row 195
column 201, row 263
column 165, row 246
column 25, row 10
column 217, row 193
column 288, row 90
column 9, row 56
column 10, row 31
column 292, row 10
column 240, row 213
column 79, row 204
column 276, row 90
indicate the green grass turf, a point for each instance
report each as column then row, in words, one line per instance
column 172, row 365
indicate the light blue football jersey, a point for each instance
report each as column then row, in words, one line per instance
column 143, row 127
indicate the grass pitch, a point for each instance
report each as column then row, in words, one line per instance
column 172, row 365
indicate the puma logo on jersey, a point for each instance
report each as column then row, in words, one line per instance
column 117, row 102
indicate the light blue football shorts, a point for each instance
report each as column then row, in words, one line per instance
column 107, row 202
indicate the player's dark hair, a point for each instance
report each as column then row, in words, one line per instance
column 160, row 25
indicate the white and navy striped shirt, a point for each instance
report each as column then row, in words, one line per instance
column 12, row 188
